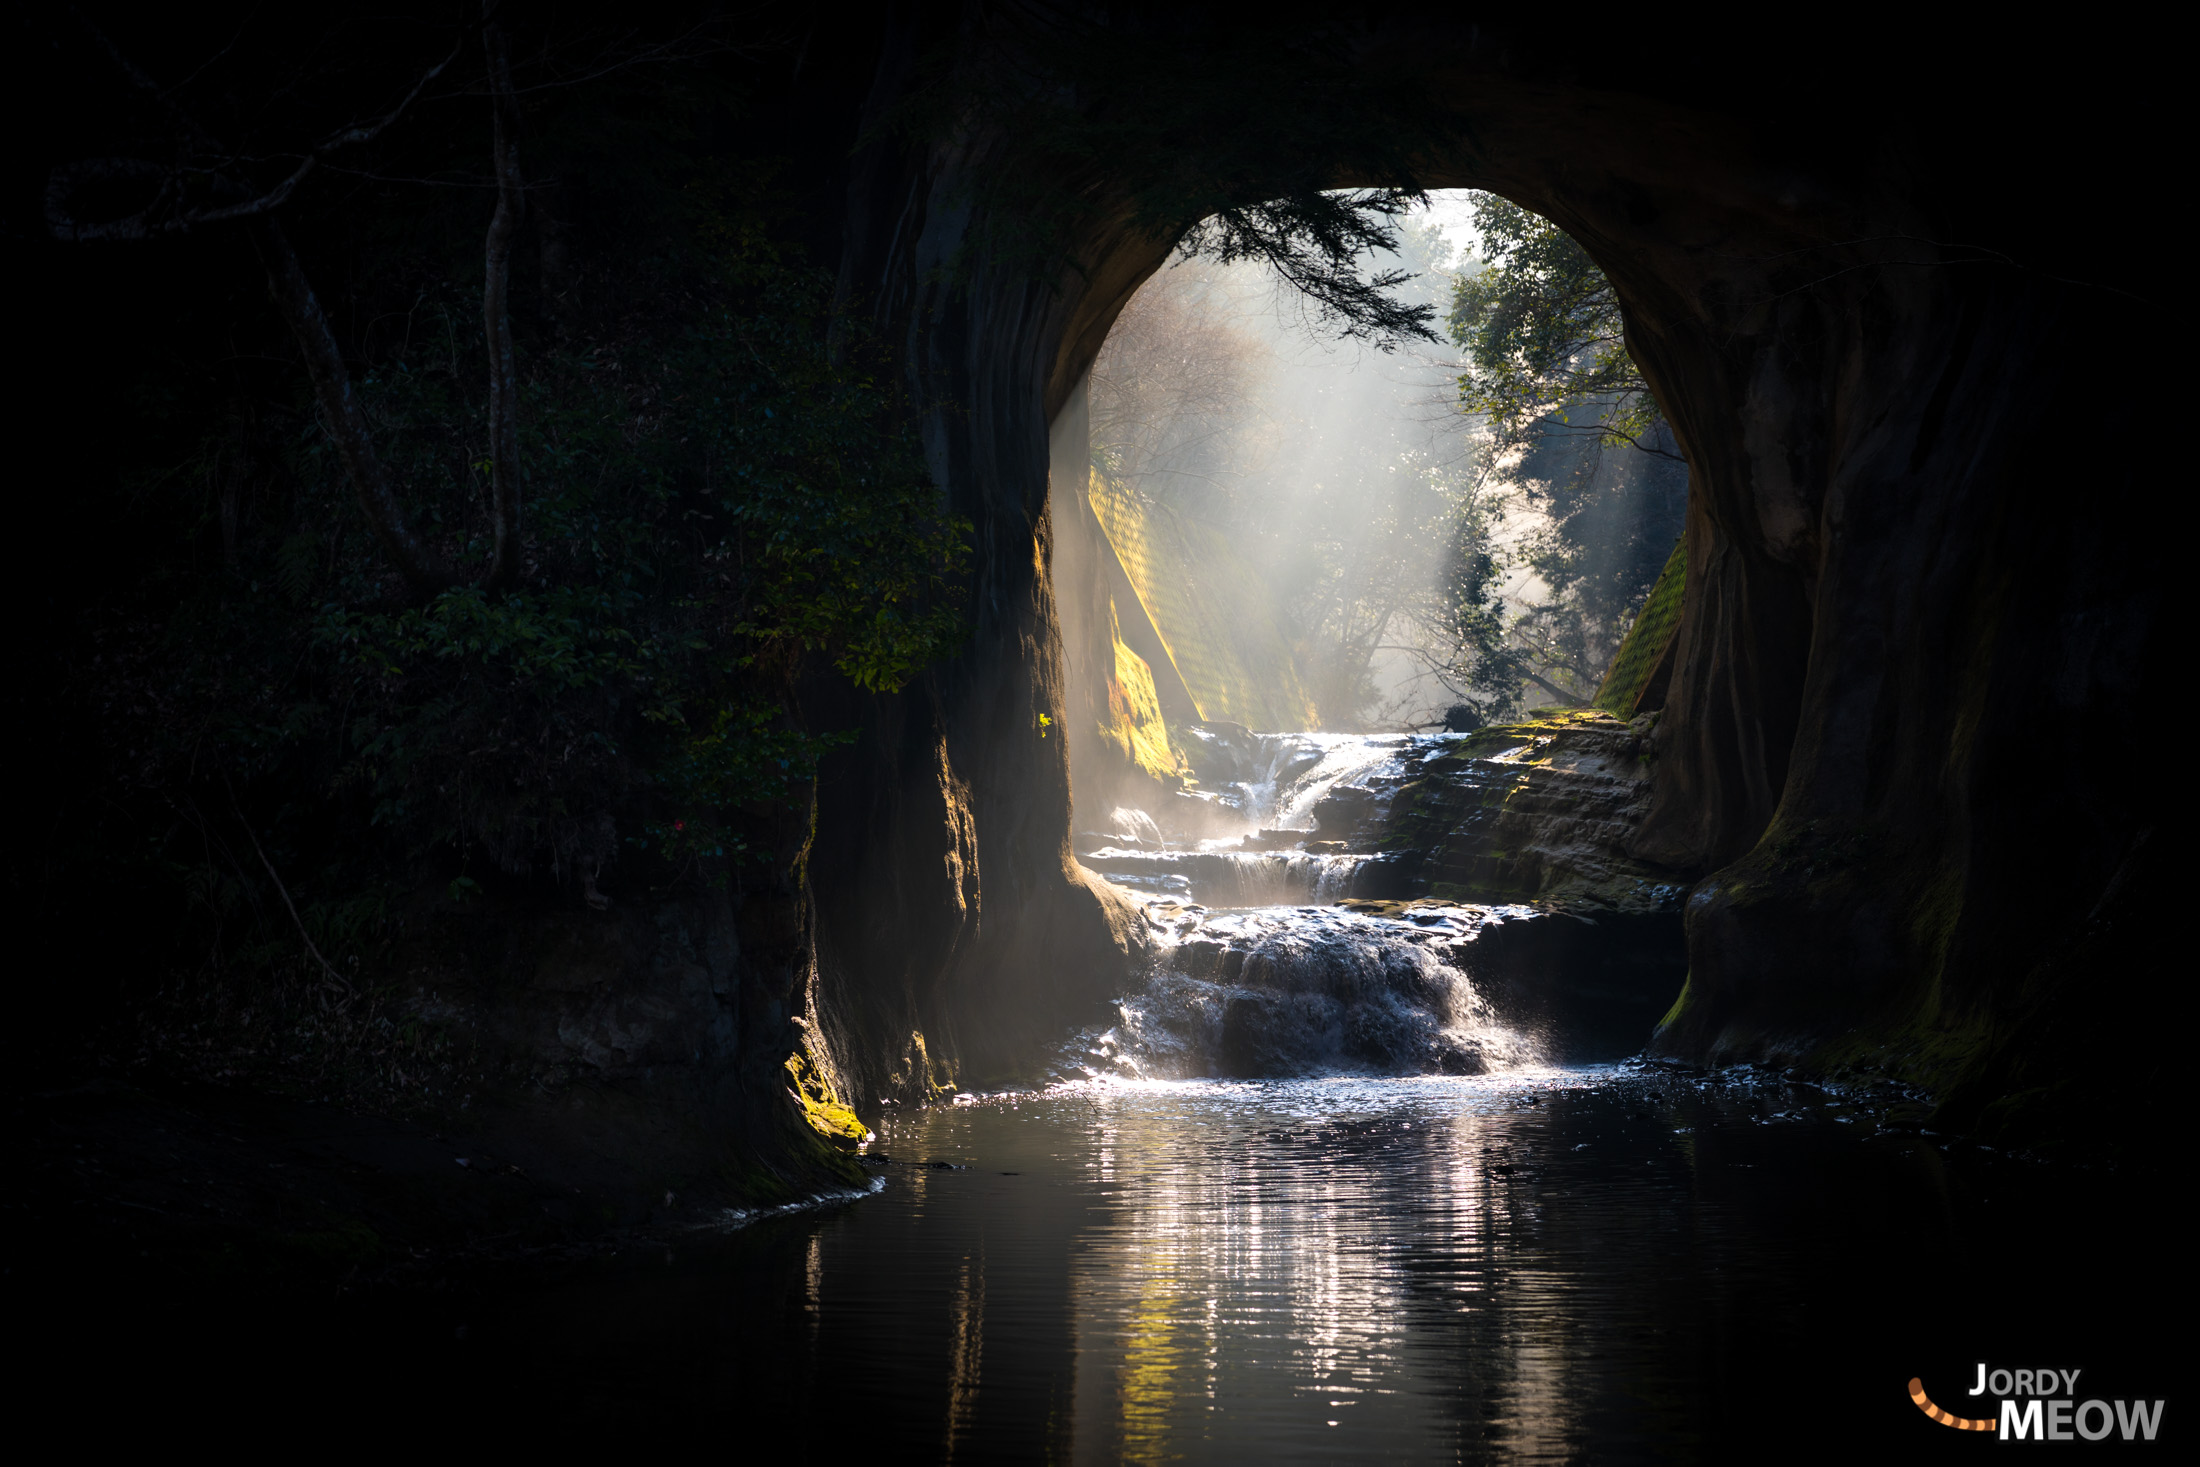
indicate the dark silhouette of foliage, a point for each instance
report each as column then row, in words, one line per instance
column 1216, row 137
column 296, row 730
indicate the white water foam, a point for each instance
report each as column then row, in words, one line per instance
column 1282, row 991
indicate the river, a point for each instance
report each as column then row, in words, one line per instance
column 1599, row 1263
column 1316, row 1194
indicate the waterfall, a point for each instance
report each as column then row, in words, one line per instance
column 1229, row 878
column 1285, row 991
column 1273, row 781
column 1259, row 973
column 1262, row 786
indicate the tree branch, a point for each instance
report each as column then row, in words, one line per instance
column 504, row 463
column 347, row 420
column 146, row 223
column 1554, row 690
column 290, row 906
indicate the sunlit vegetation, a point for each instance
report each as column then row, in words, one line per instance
column 1576, row 446
column 1429, row 559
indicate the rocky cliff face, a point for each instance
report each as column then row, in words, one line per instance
column 1917, row 592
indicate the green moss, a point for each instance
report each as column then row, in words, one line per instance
column 1679, row 1005
column 349, row 1241
column 920, row 1077
column 1935, row 915
column 827, row 1113
column 1644, row 646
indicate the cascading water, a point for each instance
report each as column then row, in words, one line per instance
column 1250, row 836
column 1274, row 781
column 1277, row 991
column 1229, row 878
column 1258, row 973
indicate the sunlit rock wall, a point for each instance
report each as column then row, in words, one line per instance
column 1117, row 729
column 1214, row 616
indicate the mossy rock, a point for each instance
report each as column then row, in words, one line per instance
column 829, row 1116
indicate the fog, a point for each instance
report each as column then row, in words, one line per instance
column 1346, row 476
column 1333, row 467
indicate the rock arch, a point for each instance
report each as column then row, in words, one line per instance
column 1899, row 644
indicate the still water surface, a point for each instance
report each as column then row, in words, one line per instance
column 1598, row 1263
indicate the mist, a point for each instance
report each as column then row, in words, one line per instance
column 1347, row 478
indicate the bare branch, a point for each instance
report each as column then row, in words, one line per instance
column 1555, row 691
column 290, row 906
column 163, row 99
column 367, row 133
column 347, row 420
column 676, row 49
column 504, row 463
column 147, row 223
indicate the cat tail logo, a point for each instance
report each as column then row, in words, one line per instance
column 1947, row 1418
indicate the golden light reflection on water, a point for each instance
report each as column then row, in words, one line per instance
column 1282, row 1260
column 966, row 1348
column 1537, row 1267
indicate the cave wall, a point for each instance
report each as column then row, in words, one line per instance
column 1122, row 693
column 957, row 934
column 1898, row 638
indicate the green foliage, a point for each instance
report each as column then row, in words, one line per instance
column 694, row 536
column 1489, row 665
column 1544, row 339
column 1584, row 448
column 724, row 503
column 744, row 757
column 1314, row 242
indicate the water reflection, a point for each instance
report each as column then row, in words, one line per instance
column 1261, row 1282
column 1526, row 1268
column 1553, row 1265
column 965, row 1350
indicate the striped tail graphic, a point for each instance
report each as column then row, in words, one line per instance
column 1924, row 1404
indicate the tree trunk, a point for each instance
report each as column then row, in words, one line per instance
column 496, row 290
column 422, row 569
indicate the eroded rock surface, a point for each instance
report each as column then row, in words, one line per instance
column 1542, row 811
column 1536, row 812
column 1384, row 987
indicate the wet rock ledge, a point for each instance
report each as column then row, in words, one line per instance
column 1498, row 856
column 1539, row 812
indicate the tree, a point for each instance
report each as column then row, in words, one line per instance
column 1488, row 666
column 337, row 649
column 1171, row 392
column 203, row 181
column 1578, row 439
column 1544, row 338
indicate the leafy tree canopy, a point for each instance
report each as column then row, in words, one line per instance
column 1545, row 343
column 1578, row 444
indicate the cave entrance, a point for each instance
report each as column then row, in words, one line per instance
column 1281, row 554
